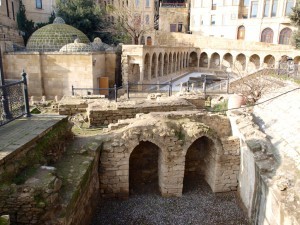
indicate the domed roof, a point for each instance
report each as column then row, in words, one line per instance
column 76, row 47
column 54, row 36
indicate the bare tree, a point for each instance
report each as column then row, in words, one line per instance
column 132, row 21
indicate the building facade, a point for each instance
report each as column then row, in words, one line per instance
column 259, row 20
column 39, row 11
column 8, row 23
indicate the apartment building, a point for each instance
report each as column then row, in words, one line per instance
column 39, row 10
column 251, row 20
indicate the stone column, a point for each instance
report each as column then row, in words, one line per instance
column 141, row 72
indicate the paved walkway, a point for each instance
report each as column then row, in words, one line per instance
column 16, row 134
column 280, row 120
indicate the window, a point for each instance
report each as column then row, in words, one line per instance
column 267, row 8
column 180, row 27
column 7, row 9
column 214, row 5
column 137, row 3
column 289, row 6
column 285, row 36
column 254, row 7
column 173, row 27
column 38, row 4
column 241, row 33
column 147, row 3
column 267, row 35
column 274, row 8
column 213, row 20
column 246, row 3
column 147, row 19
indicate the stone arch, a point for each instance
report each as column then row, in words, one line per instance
column 147, row 66
column 254, row 62
column 174, row 62
column 165, row 70
column 285, row 36
column 240, row 63
column 227, row 61
column 170, row 63
column 160, row 65
column 135, row 74
column 297, row 59
column 193, row 59
column 203, row 61
column 144, row 168
column 267, row 35
column 215, row 61
column 199, row 161
column 269, row 61
column 154, row 66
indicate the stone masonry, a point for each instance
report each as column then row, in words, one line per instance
column 173, row 133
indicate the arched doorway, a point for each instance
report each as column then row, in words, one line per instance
column 269, row 61
column 241, row 33
column 203, row 62
column 240, row 63
column 267, row 35
column 254, row 63
column 227, row 61
column 285, row 36
column 215, row 61
column 199, row 163
column 143, row 168
column 146, row 67
column 193, row 59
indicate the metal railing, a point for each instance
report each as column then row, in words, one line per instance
column 14, row 101
column 110, row 93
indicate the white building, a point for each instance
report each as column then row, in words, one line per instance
column 259, row 20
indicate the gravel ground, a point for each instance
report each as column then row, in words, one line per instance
column 198, row 205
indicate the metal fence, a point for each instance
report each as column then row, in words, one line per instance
column 109, row 93
column 14, row 101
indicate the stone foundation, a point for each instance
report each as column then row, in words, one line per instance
column 173, row 134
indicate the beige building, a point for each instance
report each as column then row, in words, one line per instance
column 39, row 10
column 265, row 21
column 140, row 15
column 8, row 23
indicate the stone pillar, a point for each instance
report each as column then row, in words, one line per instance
column 208, row 62
column 141, row 72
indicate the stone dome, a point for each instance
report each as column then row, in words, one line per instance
column 76, row 47
column 54, row 36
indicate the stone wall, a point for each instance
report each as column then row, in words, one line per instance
column 172, row 133
column 45, row 149
column 53, row 74
column 266, row 187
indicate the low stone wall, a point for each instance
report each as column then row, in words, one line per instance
column 267, row 191
column 45, row 148
column 172, row 133
column 100, row 115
